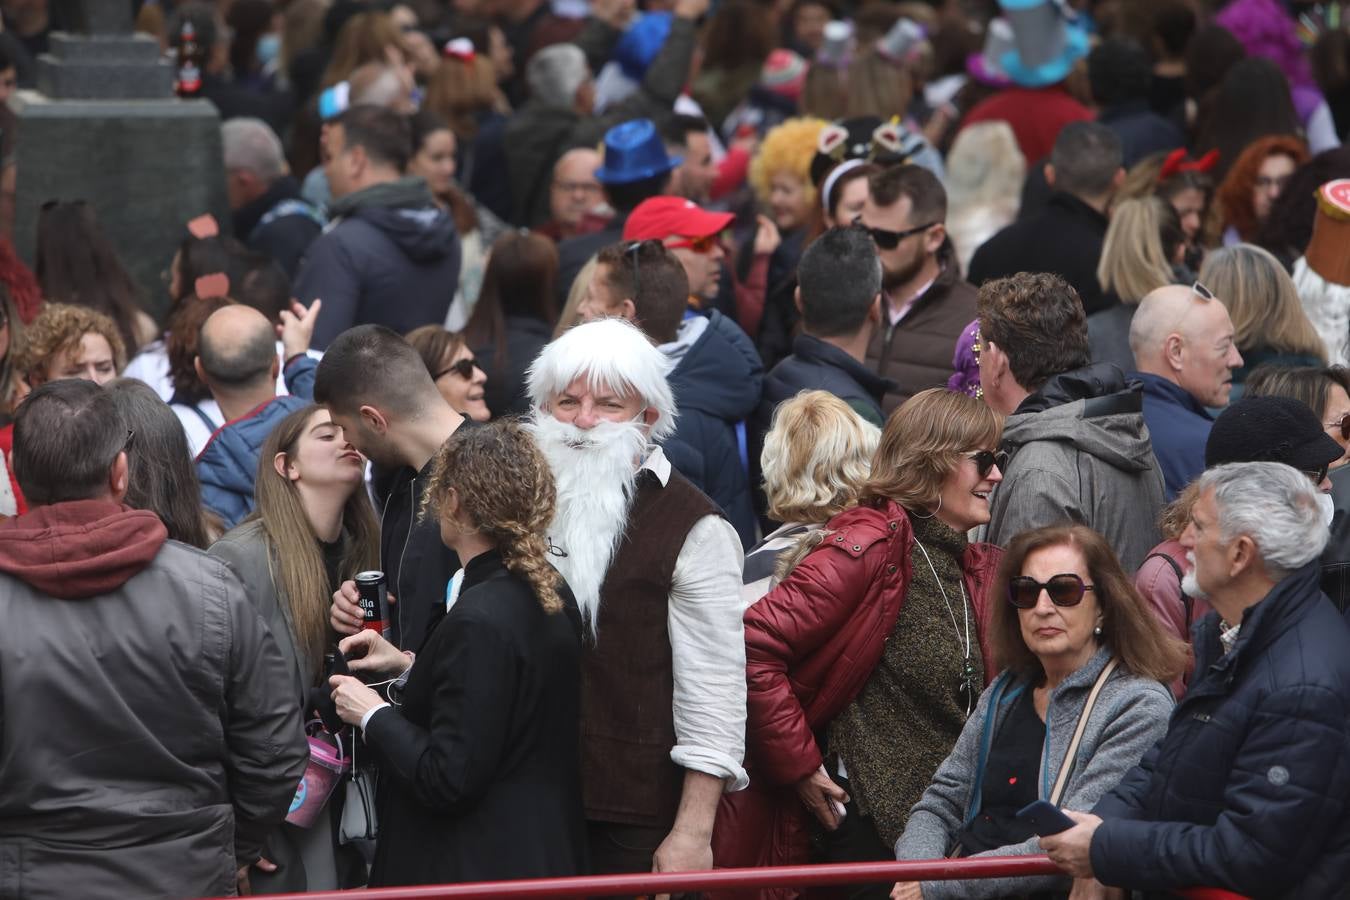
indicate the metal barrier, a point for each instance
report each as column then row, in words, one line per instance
column 647, row 884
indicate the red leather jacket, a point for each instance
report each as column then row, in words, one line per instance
column 811, row 644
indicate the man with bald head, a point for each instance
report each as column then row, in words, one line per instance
column 237, row 360
column 576, row 201
column 1182, row 341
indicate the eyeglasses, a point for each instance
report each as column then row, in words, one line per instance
column 985, row 460
column 1343, row 423
column 131, row 435
column 634, row 250
column 461, row 367
column 1266, row 182
column 1024, row 592
column 589, row 188
column 1317, row 475
column 705, row 244
column 889, row 240
column 1202, row 292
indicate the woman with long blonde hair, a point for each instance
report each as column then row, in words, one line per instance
column 313, row 528
column 1269, row 324
column 479, row 760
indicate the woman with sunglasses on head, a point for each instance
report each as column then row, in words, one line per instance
column 1078, row 702
column 874, row 644
column 453, row 368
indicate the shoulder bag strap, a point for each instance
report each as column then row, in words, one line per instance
column 1186, row 601
column 1062, row 780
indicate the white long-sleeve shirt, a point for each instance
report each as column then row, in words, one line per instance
column 707, row 642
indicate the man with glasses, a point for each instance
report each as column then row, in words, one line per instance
column 925, row 303
column 1184, row 351
column 1249, row 790
column 576, row 200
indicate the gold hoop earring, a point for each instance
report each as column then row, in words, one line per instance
column 931, row 514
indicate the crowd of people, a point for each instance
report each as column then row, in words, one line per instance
column 617, row 438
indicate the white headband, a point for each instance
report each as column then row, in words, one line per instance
column 834, row 176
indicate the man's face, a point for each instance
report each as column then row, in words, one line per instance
column 337, row 161
column 9, row 81
column 901, row 263
column 369, row 441
column 575, row 190
column 703, row 265
column 586, row 406
column 694, row 178
column 600, row 299
column 1208, row 553
column 1208, row 353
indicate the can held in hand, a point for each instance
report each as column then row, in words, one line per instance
column 374, row 598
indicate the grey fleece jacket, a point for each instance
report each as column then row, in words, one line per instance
column 1130, row 717
column 1081, row 453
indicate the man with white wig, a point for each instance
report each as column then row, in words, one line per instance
column 655, row 568
column 1249, row 790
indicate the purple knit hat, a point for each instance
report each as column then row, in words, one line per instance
column 966, row 362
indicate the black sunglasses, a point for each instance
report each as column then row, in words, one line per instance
column 1317, row 475
column 889, row 240
column 463, row 368
column 985, row 460
column 1343, row 424
column 1064, row 590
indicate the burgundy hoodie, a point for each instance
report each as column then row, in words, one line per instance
column 80, row 548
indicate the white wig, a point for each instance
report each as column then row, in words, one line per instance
column 1275, row 506
column 611, row 354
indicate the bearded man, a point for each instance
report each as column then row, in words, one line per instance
column 655, row 568
column 925, row 303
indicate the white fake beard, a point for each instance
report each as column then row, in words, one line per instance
column 595, row 471
column 1189, row 586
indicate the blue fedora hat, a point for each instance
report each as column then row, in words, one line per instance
column 634, row 151
column 1047, row 42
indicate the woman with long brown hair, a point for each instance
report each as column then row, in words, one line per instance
column 478, row 758
column 313, row 528
column 1079, row 701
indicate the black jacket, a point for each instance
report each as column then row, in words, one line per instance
column 506, row 392
column 1065, row 239
column 1336, row 556
column 280, row 224
column 417, row 565
column 390, row 258
column 1249, row 790
column 480, row 778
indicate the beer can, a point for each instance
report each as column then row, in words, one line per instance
column 370, row 587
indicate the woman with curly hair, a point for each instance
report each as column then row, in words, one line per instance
column 478, row 748
column 1255, row 182
column 64, row 341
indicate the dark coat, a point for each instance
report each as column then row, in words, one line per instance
column 480, row 778
column 1250, row 788
column 1178, row 426
column 1336, row 556
column 717, row 385
column 575, row 252
column 811, row 644
column 917, row 353
column 391, row 258
column 506, row 392
column 1064, row 239
column 1141, row 131
column 280, row 224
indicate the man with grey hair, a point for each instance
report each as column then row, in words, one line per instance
column 237, row 360
column 267, row 210
column 656, row 570
column 1249, row 790
column 1184, row 351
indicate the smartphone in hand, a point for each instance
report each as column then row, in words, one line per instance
column 1045, row 818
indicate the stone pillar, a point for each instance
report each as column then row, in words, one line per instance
column 104, row 126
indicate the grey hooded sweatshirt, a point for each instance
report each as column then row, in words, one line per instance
column 1080, row 453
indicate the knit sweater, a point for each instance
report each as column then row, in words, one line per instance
column 904, row 720
column 1130, row 716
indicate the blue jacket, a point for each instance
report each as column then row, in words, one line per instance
column 716, row 382
column 1249, row 790
column 228, row 464
column 1178, row 426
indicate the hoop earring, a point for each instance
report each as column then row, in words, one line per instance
column 931, row 514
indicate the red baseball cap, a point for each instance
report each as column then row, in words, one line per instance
column 664, row 217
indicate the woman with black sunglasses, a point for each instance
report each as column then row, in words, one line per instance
column 1079, row 701
column 453, row 368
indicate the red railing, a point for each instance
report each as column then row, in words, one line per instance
column 647, row 884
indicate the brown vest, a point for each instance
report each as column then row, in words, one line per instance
column 627, row 682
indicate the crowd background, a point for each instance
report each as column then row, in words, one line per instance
column 789, row 430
